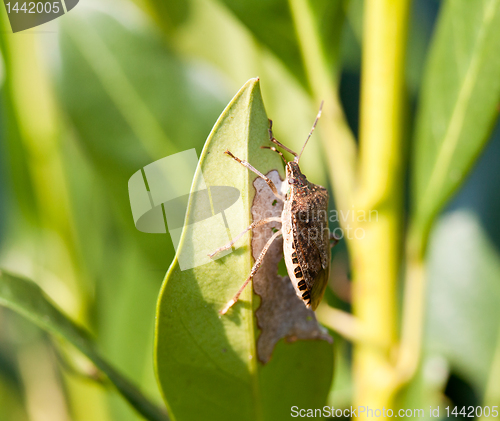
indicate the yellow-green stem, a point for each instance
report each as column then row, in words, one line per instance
column 346, row 325
column 376, row 256
column 492, row 392
column 413, row 319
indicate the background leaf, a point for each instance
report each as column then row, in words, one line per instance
column 27, row 299
column 463, row 296
column 464, row 273
column 121, row 82
column 203, row 359
column 458, row 104
column 271, row 23
column 128, row 99
column 462, row 329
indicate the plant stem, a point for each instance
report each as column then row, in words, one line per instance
column 413, row 319
column 338, row 140
column 492, row 392
column 376, row 257
column 346, row 325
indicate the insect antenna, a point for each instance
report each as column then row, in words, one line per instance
column 297, row 158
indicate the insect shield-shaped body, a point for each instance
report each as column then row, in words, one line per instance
column 306, row 237
column 304, row 227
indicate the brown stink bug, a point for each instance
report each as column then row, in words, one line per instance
column 304, row 227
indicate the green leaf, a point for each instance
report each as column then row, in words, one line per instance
column 463, row 295
column 462, row 312
column 459, row 104
column 462, row 329
column 206, row 363
column 270, row 21
column 27, row 299
column 130, row 101
column 169, row 14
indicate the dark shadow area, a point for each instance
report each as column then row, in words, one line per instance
column 461, row 394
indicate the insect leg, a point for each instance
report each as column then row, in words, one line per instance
column 275, row 150
column 256, row 171
column 254, row 270
column 333, row 240
column 251, row 226
column 275, row 141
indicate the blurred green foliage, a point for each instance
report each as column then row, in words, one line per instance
column 92, row 97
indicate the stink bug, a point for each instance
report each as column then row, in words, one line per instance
column 304, row 228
